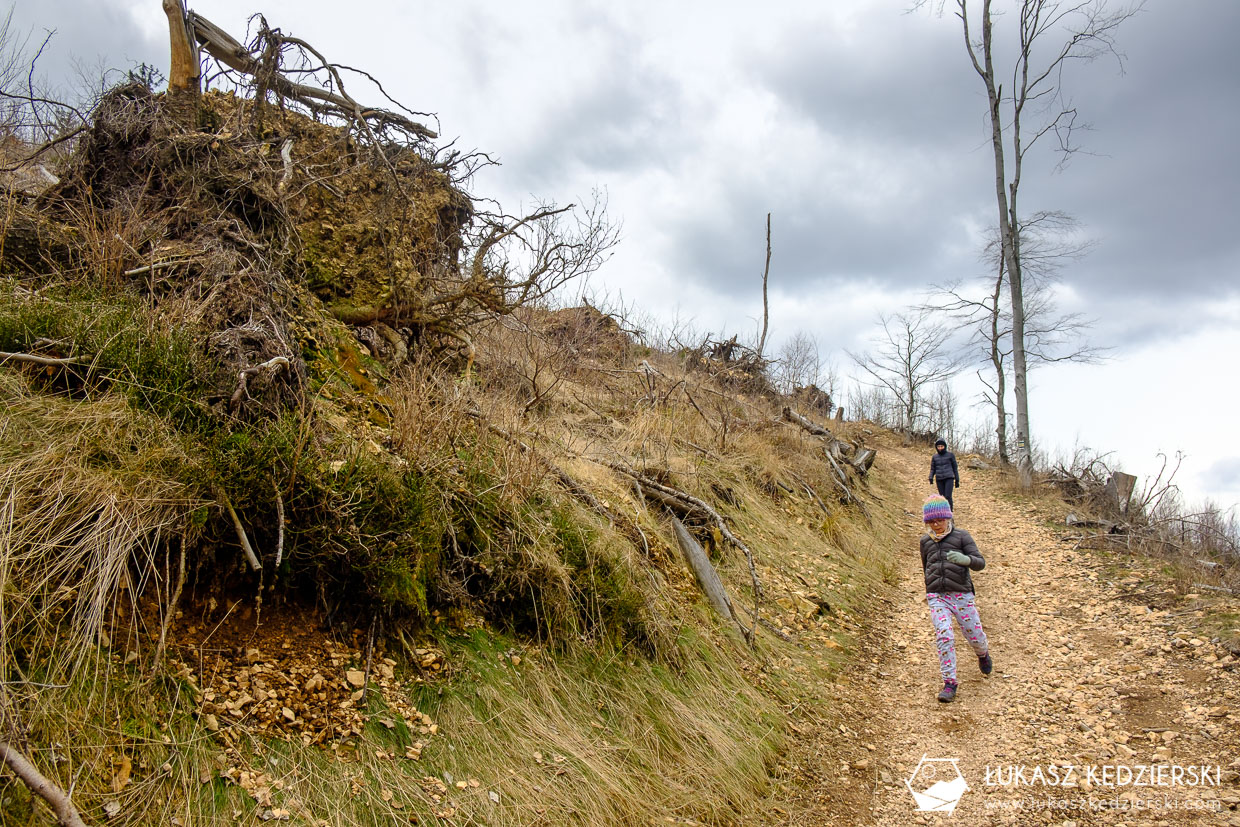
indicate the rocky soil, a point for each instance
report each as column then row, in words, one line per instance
column 1100, row 665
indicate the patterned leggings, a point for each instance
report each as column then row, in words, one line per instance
column 943, row 607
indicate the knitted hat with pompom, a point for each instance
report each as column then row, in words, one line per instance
column 936, row 508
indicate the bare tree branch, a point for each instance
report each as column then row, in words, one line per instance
column 40, row 785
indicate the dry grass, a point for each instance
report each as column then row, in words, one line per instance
column 92, row 501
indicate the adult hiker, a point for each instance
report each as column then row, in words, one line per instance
column 944, row 471
column 948, row 555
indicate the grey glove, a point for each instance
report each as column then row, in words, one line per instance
column 959, row 558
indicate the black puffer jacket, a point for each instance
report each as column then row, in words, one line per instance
column 943, row 576
column 943, row 466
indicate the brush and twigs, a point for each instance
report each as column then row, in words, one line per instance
column 834, row 452
column 578, row 491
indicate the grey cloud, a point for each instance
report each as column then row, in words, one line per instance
column 1159, row 194
column 627, row 119
column 86, row 38
column 1223, row 474
column 903, row 235
column 908, row 85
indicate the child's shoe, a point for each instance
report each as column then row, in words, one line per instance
column 948, row 693
column 986, row 664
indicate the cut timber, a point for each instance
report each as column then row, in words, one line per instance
column 706, row 575
column 863, row 459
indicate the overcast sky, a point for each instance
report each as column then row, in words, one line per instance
column 862, row 130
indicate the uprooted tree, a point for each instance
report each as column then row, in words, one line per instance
column 434, row 261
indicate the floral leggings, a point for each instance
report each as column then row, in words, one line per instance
column 943, row 607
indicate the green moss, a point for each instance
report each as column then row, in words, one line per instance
column 123, row 345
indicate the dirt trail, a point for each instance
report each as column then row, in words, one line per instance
column 1093, row 669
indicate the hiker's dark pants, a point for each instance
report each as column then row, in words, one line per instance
column 945, row 488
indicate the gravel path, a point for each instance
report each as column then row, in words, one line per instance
column 1094, row 668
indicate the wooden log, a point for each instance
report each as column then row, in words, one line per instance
column 863, row 459
column 1079, row 522
column 677, row 506
column 813, row 428
column 707, row 577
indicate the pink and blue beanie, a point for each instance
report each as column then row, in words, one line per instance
column 936, row 508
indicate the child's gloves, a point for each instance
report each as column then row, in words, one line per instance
column 959, row 558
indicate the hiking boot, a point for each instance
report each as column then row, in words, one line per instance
column 948, row 693
column 986, row 664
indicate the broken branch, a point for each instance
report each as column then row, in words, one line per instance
column 46, row 361
column 241, row 535
column 274, row 364
column 40, row 785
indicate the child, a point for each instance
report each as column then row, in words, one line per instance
column 944, row 472
column 947, row 556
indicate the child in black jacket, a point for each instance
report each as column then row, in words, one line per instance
column 948, row 555
column 944, row 471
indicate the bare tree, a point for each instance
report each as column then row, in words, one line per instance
column 875, row 404
column 913, row 351
column 1049, row 241
column 799, row 363
column 1050, row 36
column 941, row 407
column 766, row 274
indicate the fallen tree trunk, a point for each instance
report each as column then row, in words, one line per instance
column 646, row 485
column 795, row 418
column 707, row 577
